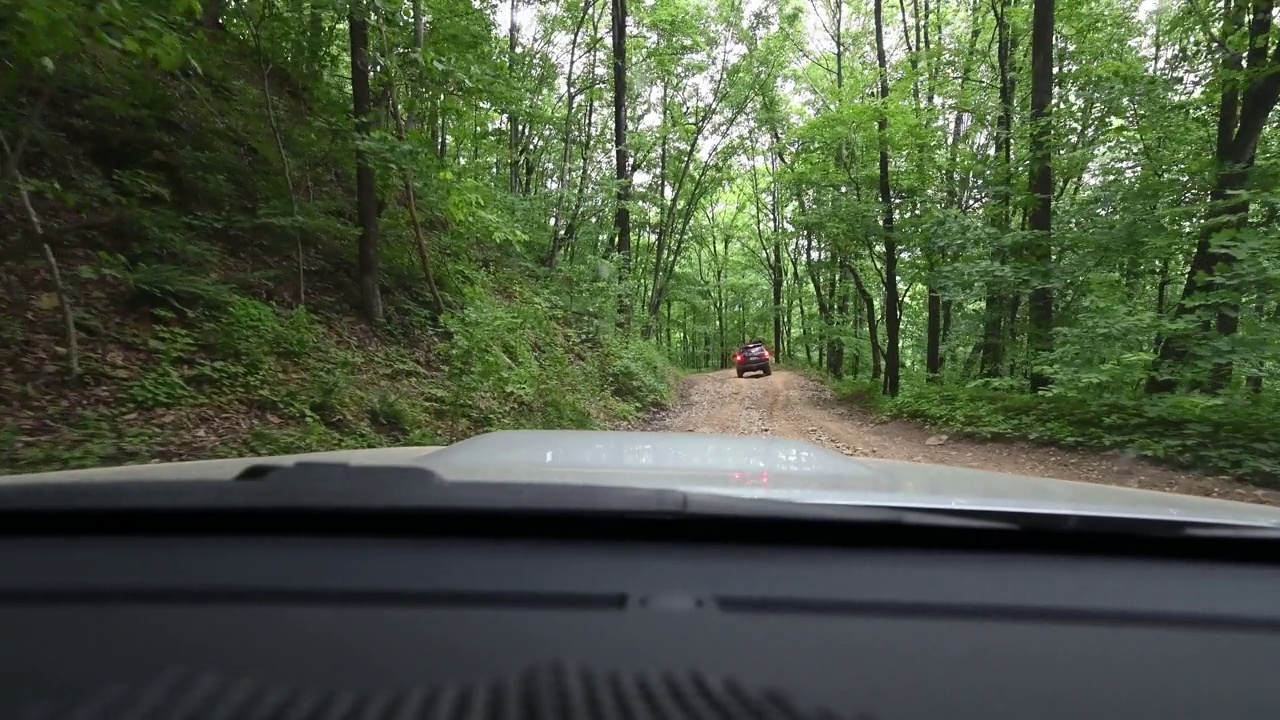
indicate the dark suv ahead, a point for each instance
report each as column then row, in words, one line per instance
column 753, row 356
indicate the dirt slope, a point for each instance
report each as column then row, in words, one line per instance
column 791, row 405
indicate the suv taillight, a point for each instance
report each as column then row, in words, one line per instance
column 766, row 354
column 737, row 358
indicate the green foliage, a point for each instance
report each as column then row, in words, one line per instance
column 519, row 368
column 1187, row 430
column 162, row 286
column 636, row 372
column 308, row 390
column 388, row 411
column 254, row 332
column 160, row 388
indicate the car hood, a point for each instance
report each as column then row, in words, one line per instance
column 765, row 467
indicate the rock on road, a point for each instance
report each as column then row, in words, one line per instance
column 791, row 405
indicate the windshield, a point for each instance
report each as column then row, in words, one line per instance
column 987, row 236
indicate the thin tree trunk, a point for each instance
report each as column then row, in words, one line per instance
column 60, row 290
column 420, row 239
column 776, row 264
column 804, row 318
column 64, row 298
column 286, row 168
column 513, row 121
column 558, row 220
column 835, row 352
column 664, row 212
column 933, row 346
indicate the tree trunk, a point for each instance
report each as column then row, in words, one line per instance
column 804, row 319
column 664, row 211
column 996, row 302
column 777, row 268
column 891, row 319
column 366, row 181
column 991, row 346
column 933, row 342
column 622, row 169
column 513, row 121
column 1040, row 307
column 418, row 26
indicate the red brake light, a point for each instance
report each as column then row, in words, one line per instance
column 737, row 358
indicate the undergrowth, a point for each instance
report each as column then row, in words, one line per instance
column 1195, row 431
column 252, row 377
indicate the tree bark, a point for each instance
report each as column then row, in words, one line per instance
column 776, row 265
column 622, row 168
column 992, row 350
column 366, row 180
column 1040, row 308
column 418, row 26
column 933, row 344
column 891, row 319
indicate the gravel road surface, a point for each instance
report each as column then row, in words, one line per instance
column 791, row 405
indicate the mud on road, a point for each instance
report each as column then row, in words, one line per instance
column 790, row 405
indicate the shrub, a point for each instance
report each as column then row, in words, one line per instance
column 1221, row 434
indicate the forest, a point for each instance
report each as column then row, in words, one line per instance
column 235, row 226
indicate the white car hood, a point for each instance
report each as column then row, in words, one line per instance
column 743, row 466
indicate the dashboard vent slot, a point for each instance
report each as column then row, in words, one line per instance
column 280, row 596
column 555, row 691
column 792, row 605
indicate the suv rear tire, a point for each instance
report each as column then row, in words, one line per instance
column 739, row 374
column 768, row 369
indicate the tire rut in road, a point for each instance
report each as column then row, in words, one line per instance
column 754, row 416
column 778, row 405
column 803, row 416
column 707, row 404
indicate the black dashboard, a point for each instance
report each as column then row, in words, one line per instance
column 553, row 621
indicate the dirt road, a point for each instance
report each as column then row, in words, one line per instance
column 790, row 405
